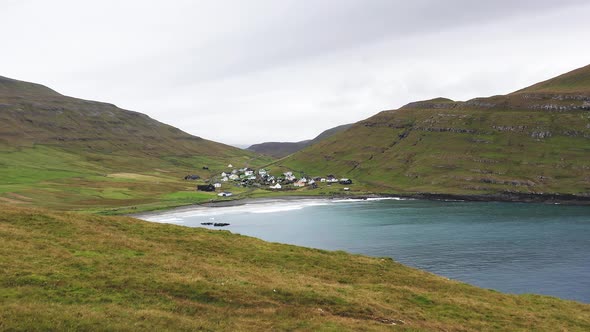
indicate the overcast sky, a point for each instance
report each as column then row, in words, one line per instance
column 243, row 72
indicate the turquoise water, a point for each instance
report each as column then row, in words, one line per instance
column 509, row 247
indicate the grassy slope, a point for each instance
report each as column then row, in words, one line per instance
column 576, row 81
column 67, row 153
column 66, row 271
column 483, row 146
column 58, row 178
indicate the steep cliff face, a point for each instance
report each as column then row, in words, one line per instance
column 535, row 140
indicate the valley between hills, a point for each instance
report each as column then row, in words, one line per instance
column 67, row 162
column 530, row 145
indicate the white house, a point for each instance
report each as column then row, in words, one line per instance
column 224, row 174
column 299, row 184
column 234, row 177
column 224, row 179
column 217, row 185
column 276, row 186
column 248, row 173
column 224, row 194
column 289, row 176
column 262, row 172
column 230, row 166
column 323, row 180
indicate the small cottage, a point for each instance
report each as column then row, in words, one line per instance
column 205, row 187
column 299, row 184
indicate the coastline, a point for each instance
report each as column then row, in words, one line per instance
column 216, row 276
column 226, row 203
column 507, row 197
column 256, row 208
column 561, row 199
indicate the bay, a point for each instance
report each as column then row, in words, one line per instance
column 510, row 247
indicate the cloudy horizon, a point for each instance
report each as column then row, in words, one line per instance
column 245, row 73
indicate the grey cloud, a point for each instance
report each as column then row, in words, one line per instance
column 297, row 67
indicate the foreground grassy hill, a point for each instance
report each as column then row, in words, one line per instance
column 66, row 271
column 533, row 141
column 63, row 152
column 283, row 149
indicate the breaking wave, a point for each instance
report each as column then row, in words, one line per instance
column 261, row 207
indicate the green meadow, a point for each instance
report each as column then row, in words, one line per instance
column 51, row 177
column 69, row 271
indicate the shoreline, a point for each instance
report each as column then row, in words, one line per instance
column 226, row 203
column 566, row 199
column 198, row 208
column 558, row 199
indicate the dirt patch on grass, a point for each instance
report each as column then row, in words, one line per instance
column 10, row 200
column 19, row 197
column 135, row 176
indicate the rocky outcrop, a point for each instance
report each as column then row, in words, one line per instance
column 541, row 134
column 527, row 183
column 510, row 128
column 556, row 108
column 437, row 103
column 451, row 130
column 480, row 103
column 552, row 96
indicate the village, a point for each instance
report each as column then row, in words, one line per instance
column 261, row 178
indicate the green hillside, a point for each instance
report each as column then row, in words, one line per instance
column 63, row 152
column 66, row 271
column 534, row 141
column 576, row 81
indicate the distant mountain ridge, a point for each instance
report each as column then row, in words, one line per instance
column 533, row 141
column 34, row 114
column 575, row 81
column 11, row 87
column 282, row 149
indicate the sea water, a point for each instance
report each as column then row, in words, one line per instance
column 510, row 247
